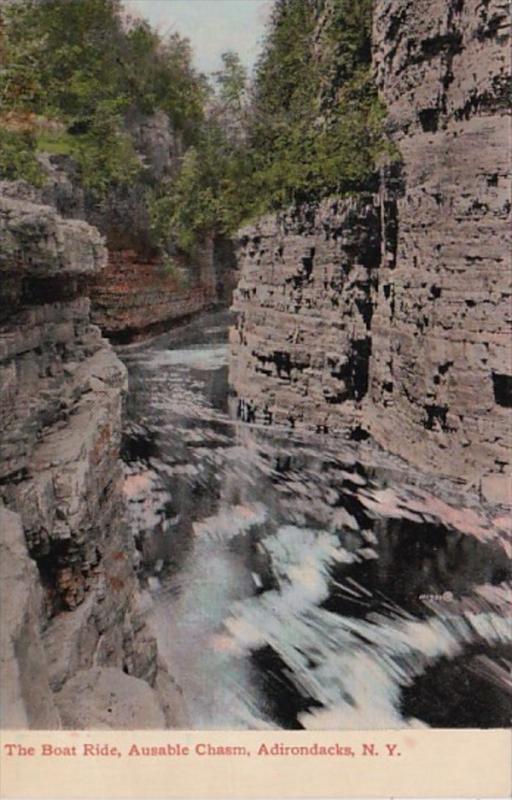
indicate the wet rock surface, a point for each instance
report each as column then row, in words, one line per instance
column 299, row 582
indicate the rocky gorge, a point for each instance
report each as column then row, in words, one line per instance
column 139, row 293
column 305, row 526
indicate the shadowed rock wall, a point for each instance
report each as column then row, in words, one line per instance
column 69, row 599
column 301, row 347
column 441, row 372
column 408, row 337
column 135, row 296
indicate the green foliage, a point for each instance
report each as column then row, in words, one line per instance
column 78, row 63
column 310, row 125
column 285, row 77
column 170, row 269
column 105, row 154
column 318, row 123
column 55, row 142
column 231, row 82
column 61, row 56
column 207, row 196
column 64, row 57
column 188, row 210
column 17, row 158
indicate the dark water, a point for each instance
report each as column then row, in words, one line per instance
column 278, row 596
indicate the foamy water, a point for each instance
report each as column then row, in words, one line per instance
column 288, row 587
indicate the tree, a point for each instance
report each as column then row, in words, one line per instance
column 75, row 72
column 231, row 81
column 316, row 126
column 309, row 125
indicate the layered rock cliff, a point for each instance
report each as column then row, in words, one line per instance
column 70, row 601
column 441, row 371
column 138, row 292
column 390, row 314
column 135, row 295
column 301, row 348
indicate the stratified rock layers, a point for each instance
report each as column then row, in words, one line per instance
column 410, row 336
column 138, row 293
column 135, row 296
column 301, row 347
column 441, row 370
column 69, row 593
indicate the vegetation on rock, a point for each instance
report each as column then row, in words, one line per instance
column 309, row 125
column 72, row 72
column 317, row 121
column 210, row 192
column 18, row 157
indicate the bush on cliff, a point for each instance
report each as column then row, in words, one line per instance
column 18, row 159
column 317, row 121
column 310, row 125
column 86, row 67
column 209, row 194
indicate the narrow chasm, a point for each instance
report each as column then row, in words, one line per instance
column 288, row 585
column 255, row 370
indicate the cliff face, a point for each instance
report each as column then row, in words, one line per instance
column 120, row 213
column 135, row 295
column 69, row 598
column 301, row 348
column 393, row 313
column 441, row 371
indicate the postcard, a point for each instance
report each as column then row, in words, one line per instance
column 255, row 399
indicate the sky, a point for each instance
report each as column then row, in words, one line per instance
column 213, row 26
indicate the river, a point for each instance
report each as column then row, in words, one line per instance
column 288, row 588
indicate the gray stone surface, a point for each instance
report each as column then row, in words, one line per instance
column 26, row 700
column 107, row 698
column 36, row 240
column 160, row 147
column 441, row 372
column 301, row 347
column 410, row 339
column 60, row 431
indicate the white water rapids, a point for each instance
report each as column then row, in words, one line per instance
column 277, row 598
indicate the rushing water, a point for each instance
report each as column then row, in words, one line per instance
column 281, row 595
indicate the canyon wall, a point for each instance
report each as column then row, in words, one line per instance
column 301, row 346
column 390, row 314
column 135, row 295
column 73, row 631
column 138, row 293
column 441, row 372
